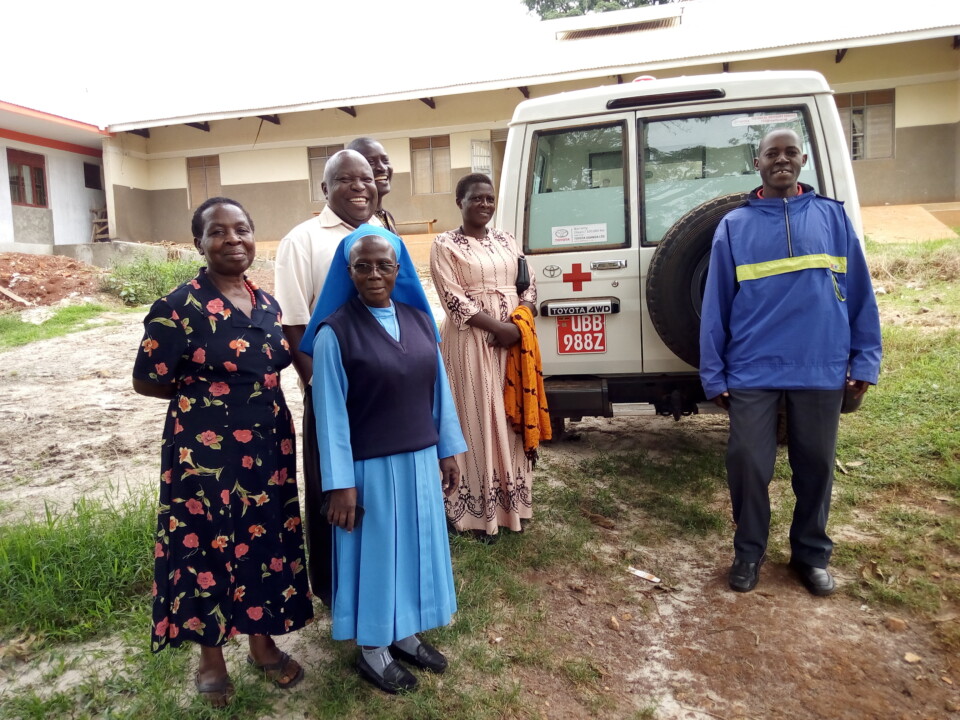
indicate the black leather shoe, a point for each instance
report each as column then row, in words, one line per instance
column 818, row 581
column 396, row 678
column 427, row 657
column 743, row 576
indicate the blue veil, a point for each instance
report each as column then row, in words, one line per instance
column 339, row 287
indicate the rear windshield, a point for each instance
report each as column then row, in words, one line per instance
column 689, row 160
column 579, row 195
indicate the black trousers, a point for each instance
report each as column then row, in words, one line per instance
column 813, row 417
column 318, row 531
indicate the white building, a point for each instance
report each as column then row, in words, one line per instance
column 55, row 172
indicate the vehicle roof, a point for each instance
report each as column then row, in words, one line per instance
column 593, row 101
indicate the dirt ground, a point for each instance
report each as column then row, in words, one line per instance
column 72, row 427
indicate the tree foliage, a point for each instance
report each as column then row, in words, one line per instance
column 550, row 9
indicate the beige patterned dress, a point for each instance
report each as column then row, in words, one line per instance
column 471, row 275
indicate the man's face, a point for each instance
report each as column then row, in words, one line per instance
column 349, row 188
column 380, row 164
column 779, row 163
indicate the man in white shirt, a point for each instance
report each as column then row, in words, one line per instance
column 303, row 259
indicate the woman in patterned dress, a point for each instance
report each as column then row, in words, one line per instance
column 229, row 555
column 474, row 269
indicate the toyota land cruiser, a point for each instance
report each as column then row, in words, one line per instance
column 615, row 193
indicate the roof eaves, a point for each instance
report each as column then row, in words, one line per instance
column 595, row 71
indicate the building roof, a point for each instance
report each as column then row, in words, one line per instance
column 40, row 128
column 324, row 70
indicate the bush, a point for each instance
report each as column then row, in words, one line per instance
column 145, row 279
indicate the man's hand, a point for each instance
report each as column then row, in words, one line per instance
column 449, row 475
column 343, row 508
column 861, row 387
column 722, row 400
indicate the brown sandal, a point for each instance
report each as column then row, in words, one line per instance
column 217, row 693
column 280, row 673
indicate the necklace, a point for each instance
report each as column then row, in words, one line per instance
column 253, row 295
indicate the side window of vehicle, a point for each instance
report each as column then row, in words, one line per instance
column 579, row 192
column 689, row 160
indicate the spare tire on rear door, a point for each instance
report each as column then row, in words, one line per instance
column 677, row 273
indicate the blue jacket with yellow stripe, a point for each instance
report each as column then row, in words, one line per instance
column 788, row 302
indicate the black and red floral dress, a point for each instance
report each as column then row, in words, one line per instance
column 229, row 554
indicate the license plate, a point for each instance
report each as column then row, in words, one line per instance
column 581, row 334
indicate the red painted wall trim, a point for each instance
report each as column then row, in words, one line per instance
column 47, row 142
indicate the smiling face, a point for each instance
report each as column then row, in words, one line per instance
column 373, row 269
column 477, row 206
column 779, row 162
column 379, row 163
column 227, row 242
column 349, row 187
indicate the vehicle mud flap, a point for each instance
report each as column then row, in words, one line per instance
column 678, row 272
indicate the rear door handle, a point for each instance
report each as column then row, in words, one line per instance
column 608, row 264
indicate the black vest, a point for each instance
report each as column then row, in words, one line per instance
column 390, row 392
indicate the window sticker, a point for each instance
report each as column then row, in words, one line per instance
column 766, row 119
column 578, row 234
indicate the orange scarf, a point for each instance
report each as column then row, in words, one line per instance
column 523, row 394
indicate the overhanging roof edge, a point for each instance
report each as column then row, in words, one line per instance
column 596, row 71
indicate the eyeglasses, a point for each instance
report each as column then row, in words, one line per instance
column 384, row 268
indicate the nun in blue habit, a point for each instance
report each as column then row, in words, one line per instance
column 385, row 422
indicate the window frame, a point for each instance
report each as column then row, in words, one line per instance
column 433, row 143
column 539, row 160
column 485, row 148
column 849, row 104
column 314, row 153
column 20, row 159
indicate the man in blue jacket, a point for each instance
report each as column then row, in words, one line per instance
column 789, row 315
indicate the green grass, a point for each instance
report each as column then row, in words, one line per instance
column 73, row 576
column 145, row 279
column 15, row 332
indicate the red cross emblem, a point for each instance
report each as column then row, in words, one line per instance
column 577, row 277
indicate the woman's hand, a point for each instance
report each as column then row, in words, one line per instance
column 502, row 334
column 343, row 508
column 449, row 475
column 507, row 335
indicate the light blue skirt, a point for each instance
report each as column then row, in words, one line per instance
column 392, row 575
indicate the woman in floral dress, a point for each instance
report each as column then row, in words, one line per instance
column 474, row 269
column 229, row 555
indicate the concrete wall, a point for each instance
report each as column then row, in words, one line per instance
column 924, row 169
column 70, row 201
column 67, row 219
column 33, row 226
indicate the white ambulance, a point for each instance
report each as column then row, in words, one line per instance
column 614, row 194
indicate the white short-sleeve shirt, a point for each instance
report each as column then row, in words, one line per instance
column 303, row 260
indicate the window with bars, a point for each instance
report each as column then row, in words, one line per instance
column 430, row 164
column 28, row 178
column 203, row 178
column 868, row 123
column 480, row 158
column 317, row 157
